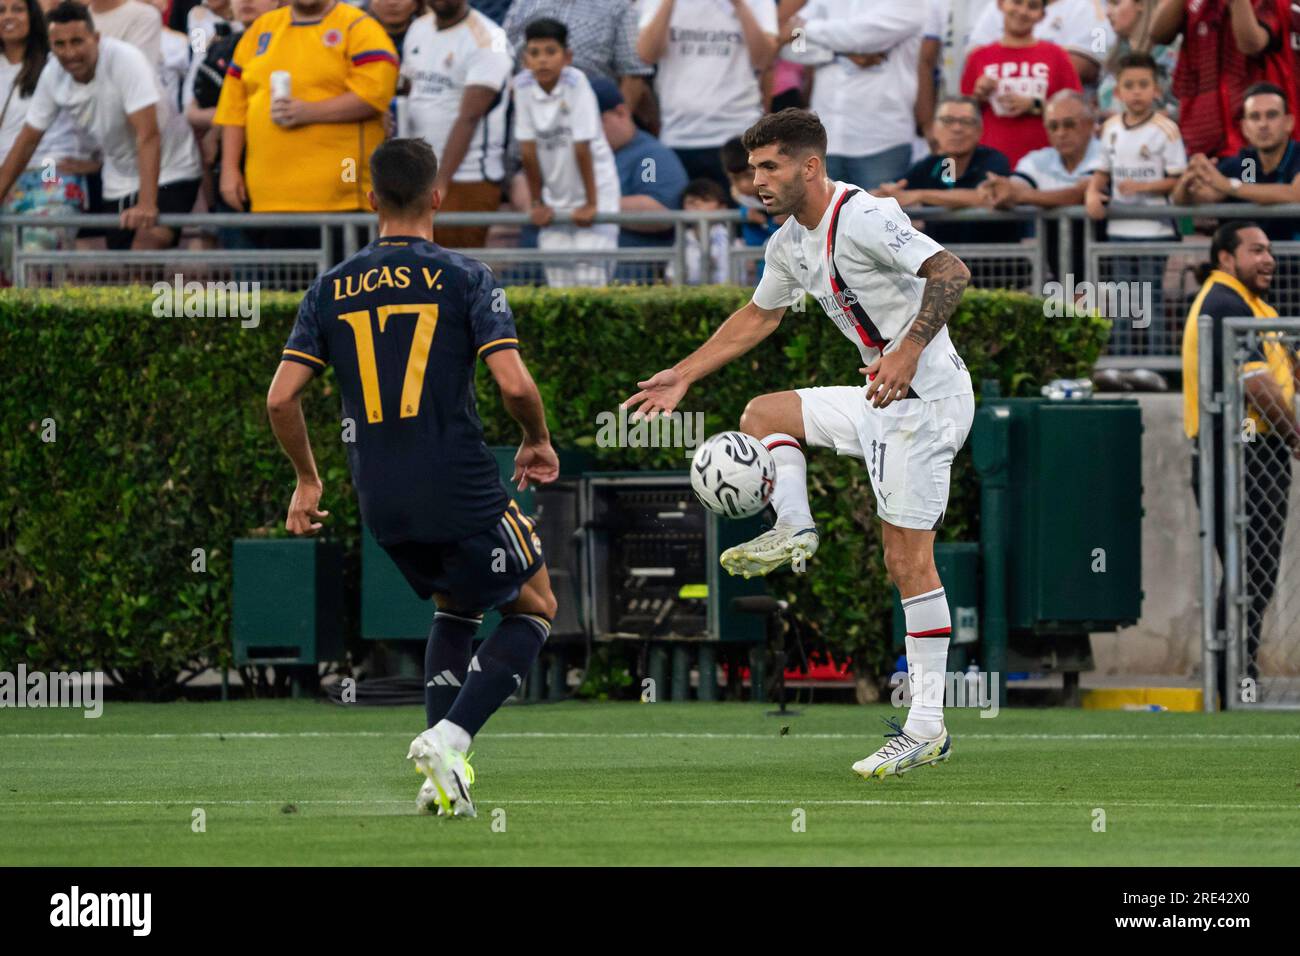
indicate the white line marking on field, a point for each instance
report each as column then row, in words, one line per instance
column 773, row 802
column 580, row 735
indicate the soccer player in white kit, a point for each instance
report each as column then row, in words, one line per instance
column 890, row 290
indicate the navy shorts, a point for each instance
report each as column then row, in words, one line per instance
column 481, row 572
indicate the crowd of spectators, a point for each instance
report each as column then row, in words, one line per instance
column 581, row 107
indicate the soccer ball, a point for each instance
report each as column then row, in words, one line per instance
column 733, row 474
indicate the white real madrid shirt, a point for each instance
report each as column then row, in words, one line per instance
column 440, row 64
column 556, row 120
column 1150, row 151
column 877, row 293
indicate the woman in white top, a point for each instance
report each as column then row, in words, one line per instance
column 54, row 183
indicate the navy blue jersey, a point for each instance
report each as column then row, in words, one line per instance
column 403, row 322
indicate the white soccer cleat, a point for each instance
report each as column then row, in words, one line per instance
column 784, row 544
column 449, row 775
column 902, row 752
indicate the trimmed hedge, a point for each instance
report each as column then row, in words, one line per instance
column 161, row 446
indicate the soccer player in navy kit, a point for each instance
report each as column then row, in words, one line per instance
column 403, row 322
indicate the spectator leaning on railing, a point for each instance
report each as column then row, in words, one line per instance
column 1236, row 280
column 1013, row 79
column 1056, row 175
column 567, row 161
column 951, row 177
column 456, row 62
column 866, row 146
column 709, row 56
column 309, row 150
column 52, row 183
column 1142, row 158
column 1266, row 172
column 111, row 92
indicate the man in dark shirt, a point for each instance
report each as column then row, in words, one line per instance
column 952, row 176
column 1266, row 172
column 404, row 322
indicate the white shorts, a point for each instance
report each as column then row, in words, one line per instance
column 580, row 271
column 908, row 446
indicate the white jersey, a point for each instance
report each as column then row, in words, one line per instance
column 870, row 290
column 707, row 86
column 1150, row 151
column 555, row 121
column 440, row 64
column 841, row 87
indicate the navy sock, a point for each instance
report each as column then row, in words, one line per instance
column 446, row 660
column 498, row 669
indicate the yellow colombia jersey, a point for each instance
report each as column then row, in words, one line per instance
column 1224, row 297
column 322, row 167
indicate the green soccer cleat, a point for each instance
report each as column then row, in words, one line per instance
column 784, row 544
column 902, row 752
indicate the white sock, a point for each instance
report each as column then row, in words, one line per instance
column 457, row 737
column 790, row 496
column 929, row 628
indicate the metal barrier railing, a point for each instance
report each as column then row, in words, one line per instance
column 1146, row 335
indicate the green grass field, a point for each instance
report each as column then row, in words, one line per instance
column 305, row 782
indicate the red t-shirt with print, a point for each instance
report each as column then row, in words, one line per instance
column 1035, row 72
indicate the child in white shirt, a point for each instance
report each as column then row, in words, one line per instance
column 567, row 161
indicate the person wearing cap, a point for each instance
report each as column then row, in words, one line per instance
column 650, row 174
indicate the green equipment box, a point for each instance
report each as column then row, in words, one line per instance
column 1073, row 517
column 958, row 563
column 287, row 601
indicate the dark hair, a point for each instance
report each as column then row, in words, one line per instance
column 1138, row 61
column 1266, row 89
column 702, row 188
column 793, row 130
column 970, row 101
column 70, row 11
column 547, row 28
column 36, row 50
column 734, row 156
column 402, row 172
column 1227, row 238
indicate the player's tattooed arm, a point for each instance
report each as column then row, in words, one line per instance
column 945, row 278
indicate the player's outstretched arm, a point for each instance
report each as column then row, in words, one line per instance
column 536, row 460
column 745, row 328
column 891, row 374
column 284, row 408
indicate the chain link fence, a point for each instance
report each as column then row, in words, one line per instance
column 1247, row 443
